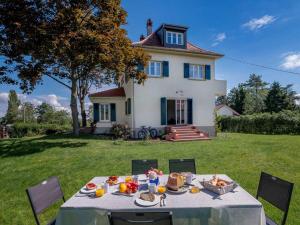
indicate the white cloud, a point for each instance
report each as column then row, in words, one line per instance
column 298, row 100
column 257, row 23
column 291, row 60
column 219, row 38
column 58, row 102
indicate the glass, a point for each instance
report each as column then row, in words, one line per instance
column 169, row 38
column 174, row 38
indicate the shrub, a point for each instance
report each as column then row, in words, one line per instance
column 32, row 129
column 120, row 131
column 284, row 122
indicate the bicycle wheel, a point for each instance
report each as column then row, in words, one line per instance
column 141, row 134
column 153, row 132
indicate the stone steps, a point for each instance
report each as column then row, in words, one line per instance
column 186, row 133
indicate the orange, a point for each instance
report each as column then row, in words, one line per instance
column 128, row 179
column 161, row 189
column 122, row 187
column 100, row 192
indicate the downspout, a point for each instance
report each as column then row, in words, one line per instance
column 133, row 118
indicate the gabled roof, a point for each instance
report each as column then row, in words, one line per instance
column 154, row 41
column 115, row 92
column 223, row 105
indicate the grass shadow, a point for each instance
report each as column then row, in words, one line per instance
column 22, row 147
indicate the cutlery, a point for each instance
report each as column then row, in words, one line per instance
column 164, row 196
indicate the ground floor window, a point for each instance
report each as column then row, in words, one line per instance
column 104, row 112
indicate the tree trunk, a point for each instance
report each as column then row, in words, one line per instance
column 74, row 108
column 82, row 111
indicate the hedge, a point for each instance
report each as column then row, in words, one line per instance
column 285, row 122
column 32, row 129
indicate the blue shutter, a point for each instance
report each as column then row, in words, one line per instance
column 207, row 72
column 112, row 112
column 96, row 112
column 186, row 70
column 140, row 67
column 165, row 70
column 190, row 111
column 163, row 111
column 129, row 106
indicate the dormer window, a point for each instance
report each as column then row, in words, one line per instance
column 174, row 38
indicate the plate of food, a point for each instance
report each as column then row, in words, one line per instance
column 88, row 188
column 175, row 184
column 112, row 180
column 147, row 199
column 218, row 185
column 180, row 190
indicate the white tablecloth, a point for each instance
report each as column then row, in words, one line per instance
column 204, row 208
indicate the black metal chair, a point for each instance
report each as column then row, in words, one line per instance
column 44, row 195
column 140, row 218
column 141, row 166
column 182, row 165
column 276, row 191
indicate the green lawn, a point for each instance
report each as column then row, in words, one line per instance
column 25, row 162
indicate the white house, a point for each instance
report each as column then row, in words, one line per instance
column 225, row 110
column 180, row 89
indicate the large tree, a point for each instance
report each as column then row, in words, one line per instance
column 280, row 98
column 13, row 107
column 65, row 40
column 236, row 98
column 256, row 93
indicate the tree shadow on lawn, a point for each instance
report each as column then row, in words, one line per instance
column 22, row 147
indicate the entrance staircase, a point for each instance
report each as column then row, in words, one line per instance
column 185, row 133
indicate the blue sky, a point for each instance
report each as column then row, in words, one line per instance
column 262, row 32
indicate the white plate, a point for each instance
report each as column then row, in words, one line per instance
column 180, row 191
column 86, row 191
column 141, row 202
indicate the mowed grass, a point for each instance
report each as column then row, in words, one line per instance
column 27, row 161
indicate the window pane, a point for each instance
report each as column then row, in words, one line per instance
column 169, row 37
column 152, row 68
column 180, row 39
column 157, row 71
column 106, row 112
column 174, row 38
column 102, row 112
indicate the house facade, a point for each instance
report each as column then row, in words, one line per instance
column 181, row 87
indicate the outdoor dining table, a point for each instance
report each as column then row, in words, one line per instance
column 204, row 208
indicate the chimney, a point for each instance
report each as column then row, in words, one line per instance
column 149, row 27
column 142, row 37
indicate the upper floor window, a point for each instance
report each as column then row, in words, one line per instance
column 197, row 71
column 104, row 112
column 154, row 69
column 174, row 38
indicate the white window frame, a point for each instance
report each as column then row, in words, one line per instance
column 157, row 72
column 104, row 116
column 172, row 35
column 197, row 71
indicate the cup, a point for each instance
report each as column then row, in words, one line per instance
column 152, row 188
column 189, row 178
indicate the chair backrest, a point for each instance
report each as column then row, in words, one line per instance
column 276, row 191
column 142, row 218
column 182, row 165
column 44, row 195
column 141, row 166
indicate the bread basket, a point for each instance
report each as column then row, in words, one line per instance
column 219, row 190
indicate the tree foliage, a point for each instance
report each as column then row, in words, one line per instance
column 66, row 40
column 236, row 99
column 12, row 108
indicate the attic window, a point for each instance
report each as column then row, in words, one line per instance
column 174, row 38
